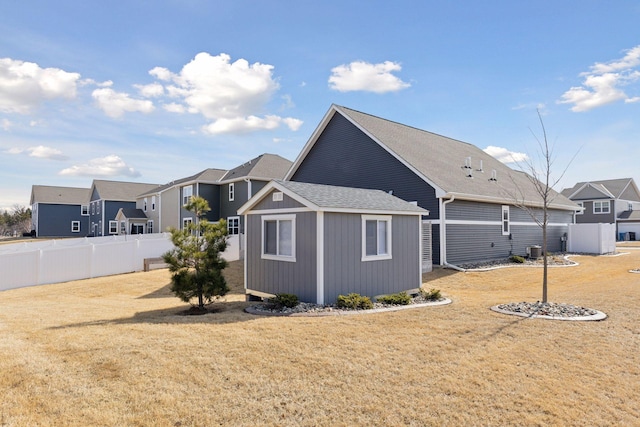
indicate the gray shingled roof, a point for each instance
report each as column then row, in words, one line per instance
column 60, row 195
column 441, row 160
column 121, row 191
column 209, row 175
column 266, row 166
column 133, row 213
column 614, row 186
column 343, row 198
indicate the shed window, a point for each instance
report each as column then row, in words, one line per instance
column 376, row 237
column 601, row 207
column 233, row 225
column 75, row 226
column 279, row 237
column 113, row 227
column 505, row 221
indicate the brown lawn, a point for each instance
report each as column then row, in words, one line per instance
column 112, row 351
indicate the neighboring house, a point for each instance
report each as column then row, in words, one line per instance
column 164, row 205
column 107, row 198
column 59, row 211
column 224, row 190
column 320, row 241
column 613, row 201
column 472, row 198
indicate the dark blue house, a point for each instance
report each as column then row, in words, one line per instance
column 59, row 211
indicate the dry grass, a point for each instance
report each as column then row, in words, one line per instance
column 113, row 351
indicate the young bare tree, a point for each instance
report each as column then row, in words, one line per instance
column 539, row 175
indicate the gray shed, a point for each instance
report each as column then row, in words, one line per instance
column 320, row 241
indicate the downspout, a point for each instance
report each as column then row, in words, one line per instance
column 443, row 236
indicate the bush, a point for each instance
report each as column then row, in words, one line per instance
column 284, row 300
column 431, row 295
column 517, row 259
column 401, row 298
column 354, row 301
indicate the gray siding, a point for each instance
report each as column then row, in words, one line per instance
column 211, row 193
column 589, row 217
column 345, row 272
column 286, row 203
column 274, row 277
column 477, row 242
column 344, row 155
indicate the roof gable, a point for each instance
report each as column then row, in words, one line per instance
column 453, row 168
column 624, row 189
column 265, row 166
column 119, row 190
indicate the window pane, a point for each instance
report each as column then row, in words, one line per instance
column 371, row 234
column 286, row 238
column 270, row 237
column 382, row 237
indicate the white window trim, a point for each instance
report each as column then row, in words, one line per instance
column 232, row 192
column 144, row 204
column 580, row 212
column 75, row 226
column 84, row 210
column 234, row 218
column 600, row 202
column 186, row 221
column 123, row 227
column 113, row 227
column 387, row 219
column 186, row 198
column 505, row 209
column 288, row 258
column 153, row 203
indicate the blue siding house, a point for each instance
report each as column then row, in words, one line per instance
column 479, row 207
column 59, row 211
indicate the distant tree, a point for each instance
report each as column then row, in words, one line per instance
column 18, row 220
column 539, row 175
column 195, row 262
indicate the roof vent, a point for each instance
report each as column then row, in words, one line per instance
column 494, row 175
column 480, row 168
column 467, row 163
column 469, row 173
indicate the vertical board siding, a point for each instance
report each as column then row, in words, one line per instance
column 275, row 277
column 345, row 272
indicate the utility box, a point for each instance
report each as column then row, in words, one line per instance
column 535, row 251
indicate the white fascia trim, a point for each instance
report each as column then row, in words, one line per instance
column 278, row 211
column 319, row 257
column 499, row 223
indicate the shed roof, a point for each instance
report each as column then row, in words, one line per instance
column 60, row 195
column 332, row 198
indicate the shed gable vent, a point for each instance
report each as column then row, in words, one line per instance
column 278, row 196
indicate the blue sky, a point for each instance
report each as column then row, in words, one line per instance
column 152, row 91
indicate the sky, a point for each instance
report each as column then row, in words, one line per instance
column 153, row 91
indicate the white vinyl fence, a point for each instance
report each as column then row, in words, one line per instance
column 591, row 238
column 53, row 261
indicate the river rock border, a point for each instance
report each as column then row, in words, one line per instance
column 330, row 311
column 594, row 315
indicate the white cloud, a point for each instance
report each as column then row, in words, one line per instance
column 602, row 84
column 103, row 167
column 115, row 104
column 151, row 90
column 6, row 125
column 504, row 155
column 25, row 85
column 363, row 76
column 40, row 152
column 230, row 94
column 250, row 124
